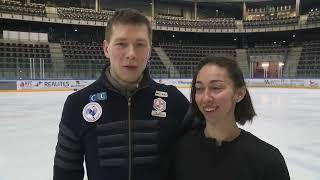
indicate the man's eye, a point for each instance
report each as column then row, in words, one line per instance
column 120, row 44
column 140, row 45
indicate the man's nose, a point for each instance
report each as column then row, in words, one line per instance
column 131, row 54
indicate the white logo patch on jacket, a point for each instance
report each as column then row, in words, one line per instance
column 92, row 112
column 161, row 94
column 159, row 104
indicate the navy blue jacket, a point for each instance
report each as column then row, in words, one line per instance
column 120, row 138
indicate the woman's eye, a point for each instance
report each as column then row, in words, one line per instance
column 198, row 89
column 216, row 89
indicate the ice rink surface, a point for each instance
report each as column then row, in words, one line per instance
column 287, row 118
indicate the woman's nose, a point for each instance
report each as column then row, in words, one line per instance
column 207, row 95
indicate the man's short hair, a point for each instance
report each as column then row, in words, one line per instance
column 127, row 16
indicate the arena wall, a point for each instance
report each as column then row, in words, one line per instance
column 74, row 85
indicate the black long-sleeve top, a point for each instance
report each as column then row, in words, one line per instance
column 245, row 158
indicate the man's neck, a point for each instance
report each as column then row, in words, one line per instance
column 120, row 84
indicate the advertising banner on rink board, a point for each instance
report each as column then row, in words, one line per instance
column 179, row 83
column 289, row 83
column 285, row 83
column 74, row 85
column 52, row 85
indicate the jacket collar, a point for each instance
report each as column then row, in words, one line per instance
column 110, row 83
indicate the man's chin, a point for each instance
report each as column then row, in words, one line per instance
column 130, row 80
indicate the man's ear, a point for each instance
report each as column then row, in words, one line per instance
column 240, row 93
column 105, row 48
column 149, row 54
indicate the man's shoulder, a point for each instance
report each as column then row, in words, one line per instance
column 173, row 93
column 86, row 92
column 168, row 88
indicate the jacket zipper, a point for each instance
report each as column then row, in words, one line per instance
column 130, row 134
column 129, row 140
column 130, row 158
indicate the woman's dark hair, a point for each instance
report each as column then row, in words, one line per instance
column 244, row 110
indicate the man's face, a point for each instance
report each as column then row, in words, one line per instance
column 128, row 50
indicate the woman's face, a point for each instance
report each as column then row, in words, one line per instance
column 216, row 95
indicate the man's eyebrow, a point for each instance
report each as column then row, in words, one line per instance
column 120, row 39
column 140, row 40
column 124, row 39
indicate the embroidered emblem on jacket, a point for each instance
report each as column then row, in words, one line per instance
column 98, row 97
column 92, row 112
column 160, row 106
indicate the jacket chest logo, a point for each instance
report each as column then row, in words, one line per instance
column 92, row 112
column 159, row 104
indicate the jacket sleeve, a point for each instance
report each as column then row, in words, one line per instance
column 181, row 105
column 181, row 109
column 277, row 169
column 68, row 159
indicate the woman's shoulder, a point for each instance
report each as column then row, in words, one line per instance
column 267, row 156
column 259, row 147
column 251, row 140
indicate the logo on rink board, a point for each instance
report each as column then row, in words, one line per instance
column 92, row 112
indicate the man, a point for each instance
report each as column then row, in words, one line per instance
column 124, row 125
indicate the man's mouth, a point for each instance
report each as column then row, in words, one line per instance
column 130, row 67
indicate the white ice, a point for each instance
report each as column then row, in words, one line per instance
column 287, row 118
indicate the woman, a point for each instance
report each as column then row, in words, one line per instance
column 218, row 148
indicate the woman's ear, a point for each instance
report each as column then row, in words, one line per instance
column 240, row 93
